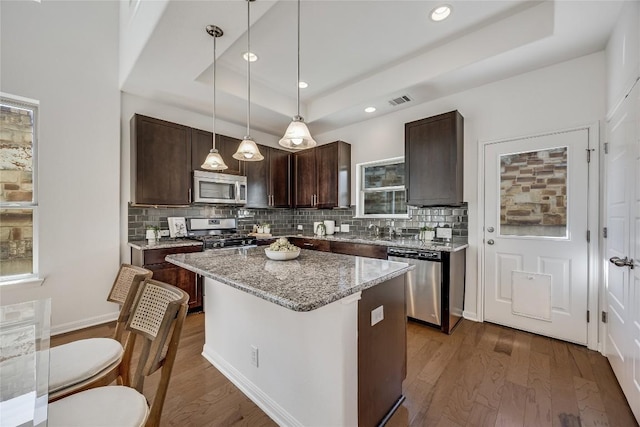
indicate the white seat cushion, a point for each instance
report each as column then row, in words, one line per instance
column 111, row 406
column 79, row 360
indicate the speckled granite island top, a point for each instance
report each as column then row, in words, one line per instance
column 309, row 282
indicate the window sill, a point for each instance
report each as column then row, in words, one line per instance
column 31, row 282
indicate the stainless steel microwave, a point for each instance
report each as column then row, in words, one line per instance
column 219, row 188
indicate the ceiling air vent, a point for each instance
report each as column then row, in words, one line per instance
column 400, row 100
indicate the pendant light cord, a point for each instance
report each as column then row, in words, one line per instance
column 248, row 66
column 298, row 82
column 213, row 77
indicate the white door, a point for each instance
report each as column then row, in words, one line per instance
column 535, row 234
column 622, row 201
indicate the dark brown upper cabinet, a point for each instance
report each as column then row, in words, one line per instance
column 226, row 146
column 268, row 181
column 434, row 160
column 323, row 176
column 162, row 152
column 166, row 154
column 304, row 170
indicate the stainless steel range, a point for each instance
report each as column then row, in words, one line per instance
column 218, row 233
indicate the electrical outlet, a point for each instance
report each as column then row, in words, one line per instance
column 254, row 356
column 300, row 227
column 377, row 315
column 164, row 233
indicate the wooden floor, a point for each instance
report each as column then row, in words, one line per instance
column 481, row 375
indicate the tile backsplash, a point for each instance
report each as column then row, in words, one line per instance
column 286, row 221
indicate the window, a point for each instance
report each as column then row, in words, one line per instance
column 18, row 201
column 381, row 189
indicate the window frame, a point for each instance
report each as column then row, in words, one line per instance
column 361, row 191
column 34, row 106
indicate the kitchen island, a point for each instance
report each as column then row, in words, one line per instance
column 319, row 340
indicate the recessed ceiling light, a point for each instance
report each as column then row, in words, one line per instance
column 370, row 109
column 250, row 56
column 441, row 13
column 303, row 85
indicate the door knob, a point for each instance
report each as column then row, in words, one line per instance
column 490, row 242
column 619, row 262
column 490, row 229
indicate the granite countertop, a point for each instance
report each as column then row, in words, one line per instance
column 164, row 244
column 397, row 242
column 309, row 282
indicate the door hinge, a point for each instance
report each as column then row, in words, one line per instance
column 604, row 232
column 605, row 317
column 588, row 236
column 589, row 150
column 588, row 316
column 606, row 148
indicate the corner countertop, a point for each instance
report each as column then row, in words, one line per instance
column 311, row 281
column 396, row 242
column 164, row 244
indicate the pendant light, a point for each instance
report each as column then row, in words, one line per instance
column 297, row 135
column 214, row 161
column 248, row 150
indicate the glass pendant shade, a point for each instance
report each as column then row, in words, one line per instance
column 297, row 135
column 248, row 151
column 214, row 161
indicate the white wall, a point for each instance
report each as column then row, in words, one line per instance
column 65, row 54
column 623, row 54
column 562, row 96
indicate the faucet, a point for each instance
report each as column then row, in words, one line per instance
column 392, row 229
column 376, row 229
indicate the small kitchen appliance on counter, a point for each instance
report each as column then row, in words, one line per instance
column 329, row 226
column 218, row 233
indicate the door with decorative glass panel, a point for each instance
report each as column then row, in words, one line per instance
column 535, row 234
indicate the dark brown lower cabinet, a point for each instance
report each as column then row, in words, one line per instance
column 382, row 351
column 153, row 259
column 310, row 243
column 359, row 249
column 339, row 247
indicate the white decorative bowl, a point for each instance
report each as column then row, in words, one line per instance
column 281, row 255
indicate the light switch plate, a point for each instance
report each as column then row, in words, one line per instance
column 377, row 315
column 444, row 233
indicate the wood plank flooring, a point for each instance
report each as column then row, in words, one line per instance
column 481, row 375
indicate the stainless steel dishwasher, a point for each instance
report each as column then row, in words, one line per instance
column 435, row 288
column 423, row 284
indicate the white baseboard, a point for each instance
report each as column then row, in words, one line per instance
column 276, row 412
column 85, row 323
column 470, row 315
